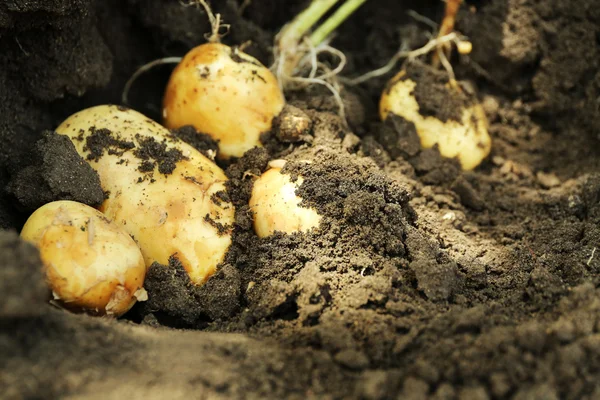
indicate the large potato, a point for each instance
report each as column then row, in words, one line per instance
column 164, row 193
column 90, row 263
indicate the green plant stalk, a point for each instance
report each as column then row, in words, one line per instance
column 304, row 22
column 331, row 24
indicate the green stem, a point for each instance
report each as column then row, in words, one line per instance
column 319, row 35
column 304, row 21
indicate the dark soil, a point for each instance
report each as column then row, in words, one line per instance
column 422, row 281
column 57, row 173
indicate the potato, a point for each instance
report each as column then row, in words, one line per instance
column 224, row 93
column 468, row 140
column 162, row 191
column 91, row 264
column 276, row 206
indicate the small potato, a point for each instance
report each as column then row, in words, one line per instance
column 467, row 139
column 91, row 264
column 162, row 191
column 224, row 93
column 276, row 206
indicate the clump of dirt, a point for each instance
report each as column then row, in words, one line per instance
column 23, row 291
column 397, row 139
column 173, row 300
column 151, row 152
column 56, row 172
column 433, row 93
column 198, row 140
column 154, row 153
column 101, row 141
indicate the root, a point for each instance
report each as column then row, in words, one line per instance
column 447, row 26
column 423, row 19
column 296, row 54
column 589, row 261
column 446, row 64
column 21, row 47
column 143, row 69
column 340, row 55
column 310, row 65
column 215, row 20
column 244, row 5
column 440, row 46
column 334, row 91
column 433, row 44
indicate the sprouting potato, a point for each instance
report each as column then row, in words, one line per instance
column 276, row 206
column 224, row 93
column 91, row 264
column 467, row 138
column 162, row 191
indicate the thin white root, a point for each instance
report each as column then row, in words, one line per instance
column 430, row 46
column 314, row 62
column 143, row 69
column 446, row 64
column 310, row 62
column 21, row 47
column 244, row 5
column 339, row 54
column 423, row 19
column 589, row 261
column 214, row 19
column 334, row 91
column 377, row 72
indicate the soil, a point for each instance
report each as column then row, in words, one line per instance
column 421, row 282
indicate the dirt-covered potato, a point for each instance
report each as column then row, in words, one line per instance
column 464, row 137
column 91, row 264
column 162, row 191
column 224, row 93
column 276, row 206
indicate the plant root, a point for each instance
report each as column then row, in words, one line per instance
column 310, row 71
column 447, row 26
column 216, row 24
column 143, row 69
column 432, row 45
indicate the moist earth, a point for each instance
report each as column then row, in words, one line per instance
column 422, row 281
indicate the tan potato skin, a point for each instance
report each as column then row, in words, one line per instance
column 91, row 264
column 224, row 93
column 169, row 214
column 276, row 207
column 467, row 140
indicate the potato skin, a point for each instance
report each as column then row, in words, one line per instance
column 276, row 207
column 467, row 140
column 224, row 93
column 91, row 264
column 177, row 211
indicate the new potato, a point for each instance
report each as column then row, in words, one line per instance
column 169, row 211
column 276, row 206
column 224, row 93
column 467, row 140
column 91, row 264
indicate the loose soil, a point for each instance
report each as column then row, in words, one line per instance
column 422, row 281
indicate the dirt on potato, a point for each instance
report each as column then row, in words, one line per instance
column 421, row 282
